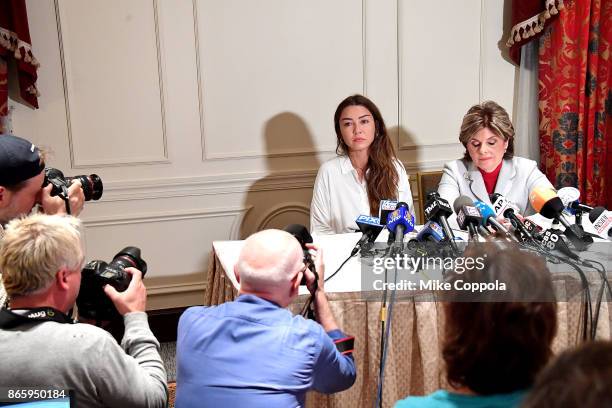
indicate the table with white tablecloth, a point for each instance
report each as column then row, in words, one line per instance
column 414, row 364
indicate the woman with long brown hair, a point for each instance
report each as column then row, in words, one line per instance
column 365, row 171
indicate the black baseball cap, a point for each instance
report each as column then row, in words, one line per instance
column 19, row 160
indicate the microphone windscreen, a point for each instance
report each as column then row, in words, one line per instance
column 369, row 226
column 432, row 195
column 494, row 197
column 568, row 195
column 540, row 196
column 462, row 201
column 484, row 209
column 403, row 204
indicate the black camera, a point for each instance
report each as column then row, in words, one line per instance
column 92, row 301
column 301, row 233
column 91, row 185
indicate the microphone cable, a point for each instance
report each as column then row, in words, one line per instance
column 340, row 267
column 599, row 267
column 604, row 284
column 310, row 300
column 588, row 312
column 384, row 336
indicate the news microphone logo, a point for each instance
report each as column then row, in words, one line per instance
column 370, row 228
column 386, row 207
column 500, row 205
column 531, row 226
column 400, row 216
column 602, row 221
column 431, row 231
column 436, row 206
column 368, row 219
column 467, row 212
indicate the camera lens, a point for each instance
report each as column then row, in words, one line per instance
column 92, row 186
column 130, row 257
column 92, row 301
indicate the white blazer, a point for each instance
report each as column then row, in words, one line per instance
column 517, row 177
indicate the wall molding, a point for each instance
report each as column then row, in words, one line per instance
column 207, row 185
column 74, row 161
column 175, row 295
column 176, row 288
column 279, row 209
column 206, row 156
column 238, row 214
column 408, row 147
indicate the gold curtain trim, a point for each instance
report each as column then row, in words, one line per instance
column 532, row 26
column 11, row 42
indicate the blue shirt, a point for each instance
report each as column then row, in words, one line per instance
column 251, row 352
column 445, row 399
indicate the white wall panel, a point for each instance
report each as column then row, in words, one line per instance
column 208, row 120
column 439, row 71
column 499, row 76
column 113, row 81
column 182, row 231
column 262, row 59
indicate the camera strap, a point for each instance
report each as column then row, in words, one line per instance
column 345, row 345
column 9, row 319
column 66, row 197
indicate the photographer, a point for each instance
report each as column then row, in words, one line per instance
column 252, row 351
column 21, row 185
column 41, row 257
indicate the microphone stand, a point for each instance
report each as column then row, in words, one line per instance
column 396, row 248
column 473, row 233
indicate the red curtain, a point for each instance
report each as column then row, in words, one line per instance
column 16, row 49
column 575, row 99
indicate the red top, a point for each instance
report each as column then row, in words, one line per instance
column 490, row 179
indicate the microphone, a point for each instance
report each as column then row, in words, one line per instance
column 570, row 197
column 548, row 204
column 431, row 232
column 499, row 203
column 370, row 227
column 468, row 216
column 531, row 231
column 602, row 221
column 399, row 222
column 437, row 209
column 568, row 194
column 488, row 218
column 577, row 206
column 301, row 233
column 503, row 207
column 551, row 240
column 385, row 208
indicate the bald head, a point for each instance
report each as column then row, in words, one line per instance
column 269, row 260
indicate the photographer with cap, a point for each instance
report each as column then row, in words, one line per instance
column 21, row 185
column 252, row 351
column 41, row 257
